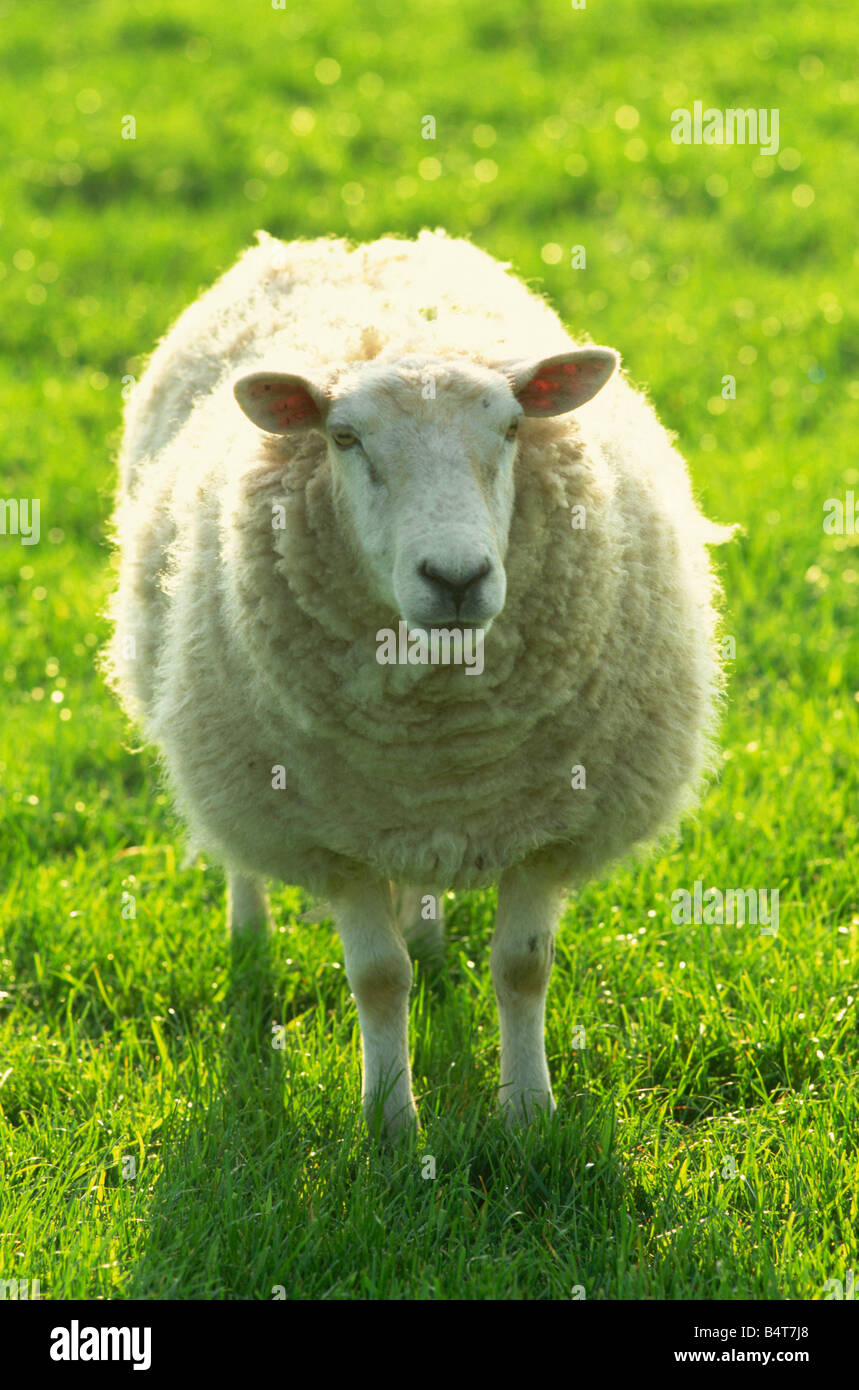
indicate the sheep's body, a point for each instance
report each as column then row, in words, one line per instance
column 244, row 646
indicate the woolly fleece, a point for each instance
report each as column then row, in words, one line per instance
column 241, row 646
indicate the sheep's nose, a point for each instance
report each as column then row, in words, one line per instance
column 453, row 587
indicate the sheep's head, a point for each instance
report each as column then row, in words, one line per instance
column 423, row 451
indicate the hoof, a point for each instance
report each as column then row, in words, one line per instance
column 521, row 1108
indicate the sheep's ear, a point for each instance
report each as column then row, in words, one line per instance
column 279, row 402
column 554, row 385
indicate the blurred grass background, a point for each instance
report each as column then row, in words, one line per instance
column 125, row 1036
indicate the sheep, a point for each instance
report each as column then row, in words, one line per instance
column 340, row 442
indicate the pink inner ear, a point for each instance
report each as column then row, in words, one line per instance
column 548, row 385
column 294, row 407
column 287, row 404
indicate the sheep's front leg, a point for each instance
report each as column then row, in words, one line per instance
column 529, row 906
column 247, row 905
column 380, row 974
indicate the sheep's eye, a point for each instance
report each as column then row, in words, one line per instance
column 344, row 438
column 513, row 430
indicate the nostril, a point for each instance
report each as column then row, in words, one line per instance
column 455, row 586
column 426, row 570
column 478, row 574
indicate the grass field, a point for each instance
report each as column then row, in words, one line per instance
column 153, row 1141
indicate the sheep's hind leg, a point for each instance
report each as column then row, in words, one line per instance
column 420, row 919
column 529, row 906
column 247, row 905
column 380, row 975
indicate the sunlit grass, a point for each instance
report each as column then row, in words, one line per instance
column 153, row 1140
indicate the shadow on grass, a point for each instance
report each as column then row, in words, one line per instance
column 219, row 1145
column 270, row 1187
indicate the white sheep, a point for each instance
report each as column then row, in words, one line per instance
column 405, row 453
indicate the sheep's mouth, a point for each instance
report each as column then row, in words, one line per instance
column 464, row 628
column 465, row 618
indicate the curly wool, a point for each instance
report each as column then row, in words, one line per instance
column 242, row 647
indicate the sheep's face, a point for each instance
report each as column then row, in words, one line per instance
column 423, row 453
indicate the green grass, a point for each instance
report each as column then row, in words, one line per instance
column 138, row 1035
